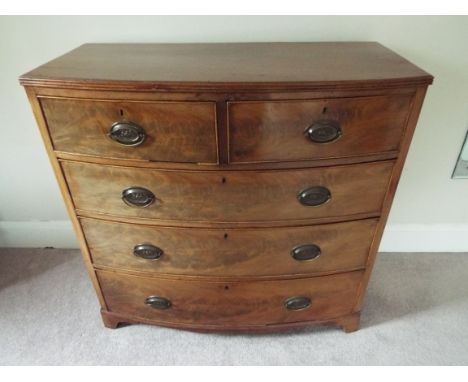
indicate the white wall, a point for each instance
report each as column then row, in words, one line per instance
column 430, row 211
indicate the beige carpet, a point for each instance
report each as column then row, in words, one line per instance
column 416, row 313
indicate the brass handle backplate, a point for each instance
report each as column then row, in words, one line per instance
column 157, row 302
column 297, row 303
column 306, row 252
column 127, row 133
column 314, row 196
column 147, row 251
column 324, row 131
column 138, row 197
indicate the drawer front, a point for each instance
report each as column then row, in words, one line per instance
column 228, row 196
column 150, row 131
column 308, row 250
column 234, row 303
column 273, row 131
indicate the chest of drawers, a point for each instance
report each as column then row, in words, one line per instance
column 228, row 186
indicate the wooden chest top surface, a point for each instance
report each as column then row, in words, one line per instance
column 317, row 65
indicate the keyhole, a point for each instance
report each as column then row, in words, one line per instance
column 225, row 236
column 226, row 287
column 223, row 180
column 121, row 112
column 324, row 110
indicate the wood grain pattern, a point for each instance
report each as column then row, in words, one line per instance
column 377, row 157
column 230, row 304
column 220, row 96
column 226, row 157
column 175, row 131
column 229, row 197
column 230, row 252
column 36, row 108
column 240, row 66
column 349, row 323
column 390, row 194
column 273, row 131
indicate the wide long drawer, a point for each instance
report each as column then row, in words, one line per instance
column 271, row 131
column 232, row 303
column 150, row 131
column 228, row 196
column 253, row 252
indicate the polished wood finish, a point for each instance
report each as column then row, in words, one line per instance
column 175, row 131
column 36, row 108
column 244, row 66
column 228, row 197
column 392, row 187
column 230, row 167
column 247, row 253
column 349, row 323
column 226, row 155
column 234, row 303
column 273, row 131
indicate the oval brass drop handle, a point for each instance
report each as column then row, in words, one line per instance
column 314, row 196
column 158, row 302
column 323, row 131
column 138, row 197
column 127, row 133
column 297, row 303
column 306, row 252
column 148, row 251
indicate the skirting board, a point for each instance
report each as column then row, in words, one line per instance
column 425, row 238
column 397, row 237
column 37, row 234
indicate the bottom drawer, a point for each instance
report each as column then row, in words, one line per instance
column 229, row 303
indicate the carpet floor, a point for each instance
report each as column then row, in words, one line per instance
column 415, row 313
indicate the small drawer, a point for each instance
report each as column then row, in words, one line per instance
column 272, row 131
column 149, row 131
column 230, row 303
column 309, row 250
column 229, row 196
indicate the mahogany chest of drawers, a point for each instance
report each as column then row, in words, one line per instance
column 228, row 186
